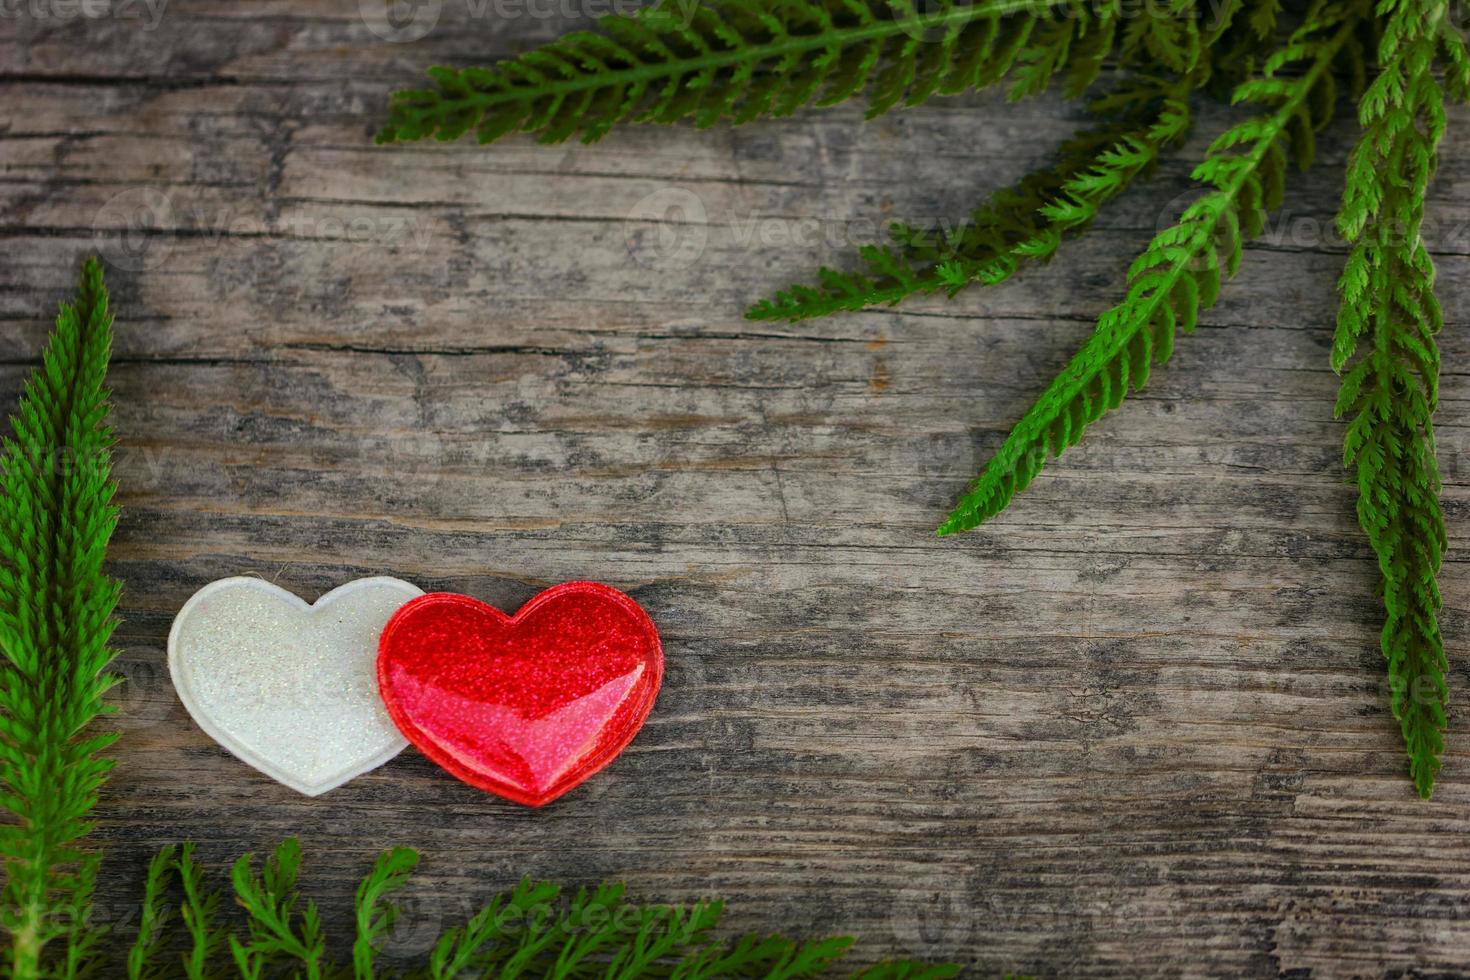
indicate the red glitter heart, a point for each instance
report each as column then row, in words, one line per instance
column 524, row 706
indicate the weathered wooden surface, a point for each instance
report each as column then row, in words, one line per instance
column 1136, row 726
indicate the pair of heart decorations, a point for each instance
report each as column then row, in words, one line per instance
column 313, row 695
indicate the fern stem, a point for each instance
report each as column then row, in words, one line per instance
column 25, row 940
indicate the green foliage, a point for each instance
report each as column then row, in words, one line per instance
column 199, row 912
column 1181, row 270
column 533, row 930
column 153, row 918
column 1023, row 222
column 1148, row 115
column 270, row 902
column 737, row 60
column 375, row 917
column 56, row 618
column 1391, row 389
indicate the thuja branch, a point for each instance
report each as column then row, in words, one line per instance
column 1390, row 392
column 1026, row 222
column 56, row 618
column 737, row 60
column 1180, row 272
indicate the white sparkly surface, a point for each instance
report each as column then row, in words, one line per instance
column 290, row 688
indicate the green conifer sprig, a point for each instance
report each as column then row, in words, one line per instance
column 56, row 618
column 276, row 937
column 199, row 913
column 1149, row 116
column 147, row 951
column 1391, row 389
column 1181, row 270
column 1025, row 222
column 737, row 60
column 376, row 917
column 533, row 930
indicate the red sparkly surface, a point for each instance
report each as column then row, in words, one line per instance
column 529, row 706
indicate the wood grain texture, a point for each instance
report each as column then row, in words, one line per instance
column 1137, row 726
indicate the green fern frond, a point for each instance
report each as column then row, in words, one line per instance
column 1390, row 391
column 152, row 919
column 529, row 931
column 1029, row 220
column 1181, row 270
column 463, row 948
column 80, row 956
column 737, row 60
column 1026, row 222
column 375, row 917
column 200, row 914
column 56, row 618
column 764, row 956
column 275, row 934
column 1455, row 60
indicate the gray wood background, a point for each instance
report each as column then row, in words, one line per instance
column 1136, row 726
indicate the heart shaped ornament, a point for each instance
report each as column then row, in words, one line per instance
column 525, row 706
column 288, row 686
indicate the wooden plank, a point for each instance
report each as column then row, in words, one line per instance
column 1136, row 726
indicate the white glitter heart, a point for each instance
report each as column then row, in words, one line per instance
column 288, row 687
